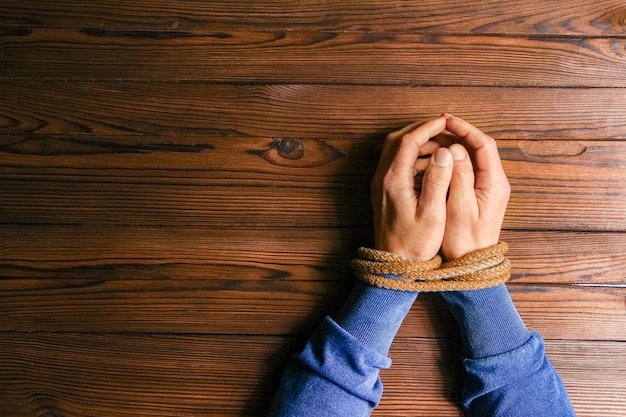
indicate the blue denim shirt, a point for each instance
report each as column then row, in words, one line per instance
column 337, row 374
column 519, row 383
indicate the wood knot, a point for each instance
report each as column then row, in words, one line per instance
column 289, row 148
column 298, row 153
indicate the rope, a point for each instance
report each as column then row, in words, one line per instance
column 483, row 268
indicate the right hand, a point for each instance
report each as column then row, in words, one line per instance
column 406, row 222
column 479, row 191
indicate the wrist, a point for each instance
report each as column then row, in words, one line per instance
column 468, row 245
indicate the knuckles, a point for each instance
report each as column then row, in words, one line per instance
column 388, row 182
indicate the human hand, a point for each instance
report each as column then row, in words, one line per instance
column 479, row 191
column 406, row 222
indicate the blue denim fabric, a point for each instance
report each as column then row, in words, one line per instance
column 334, row 376
column 337, row 374
column 519, row 383
column 488, row 321
column 508, row 371
column 373, row 315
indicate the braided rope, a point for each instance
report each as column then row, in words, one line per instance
column 483, row 268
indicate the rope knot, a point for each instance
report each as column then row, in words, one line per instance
column 483, row 268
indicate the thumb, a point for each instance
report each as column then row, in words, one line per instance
column 462, row 198
column 432, row 200
column 462, row 207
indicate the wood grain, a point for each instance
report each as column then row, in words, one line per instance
column 183, row 184
column 87, row 202
column 313, row 57
column 224, row 160
column 100, row 253
column 571, row 17
column 288, row 182
column 230, row 305
column 115, row 374
column 139, row 375
column 101, row 108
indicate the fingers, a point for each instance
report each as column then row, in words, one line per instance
column 473, row 137
column 429, row 148
column 464, row 192
column 415, row 126
column 479, row 191
column 402, row 148
column 399, row 158
column 432, row 201
column 489, row 171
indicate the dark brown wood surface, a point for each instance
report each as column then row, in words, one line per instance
column 183, row 185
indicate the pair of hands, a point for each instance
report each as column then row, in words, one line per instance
column 463, row 197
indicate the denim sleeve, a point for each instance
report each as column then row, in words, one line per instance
column 508, row 372
column 518, row 383
column 335, row 375
column 337, row 372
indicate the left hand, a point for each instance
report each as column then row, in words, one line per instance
column 479, row 191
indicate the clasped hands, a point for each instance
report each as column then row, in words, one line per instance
column 460, row 207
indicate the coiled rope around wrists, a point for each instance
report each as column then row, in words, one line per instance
column 483, row 268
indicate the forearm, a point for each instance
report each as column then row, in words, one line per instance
column 508, row 372
column 337, row 372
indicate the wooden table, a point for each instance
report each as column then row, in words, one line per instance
column 183, row 185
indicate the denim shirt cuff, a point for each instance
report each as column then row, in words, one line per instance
column 490, row 373
column 336, row 355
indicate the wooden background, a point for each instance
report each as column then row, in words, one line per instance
column 183, row 184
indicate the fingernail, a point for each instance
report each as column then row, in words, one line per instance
column 443, row 157
column 458, row 153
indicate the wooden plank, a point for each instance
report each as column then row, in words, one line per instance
column 296, row 254
column 115, row 375
column 584, row 374
column 312, row 57
column 153, row 375
column 549, row 178
column 218, row 306
column 114, row 108
column 293, row 182
column 233, row 306
column 288, row 160
column 571, row 17
column 220, row 160
column 552, row 313
column 578, row 258
column 88, row 202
